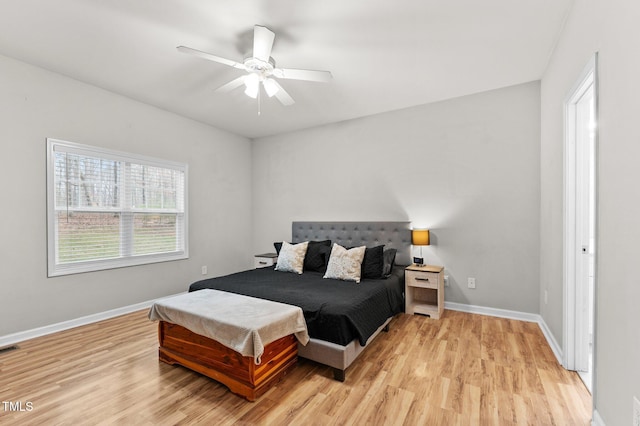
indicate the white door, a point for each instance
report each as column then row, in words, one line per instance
column 580, row 212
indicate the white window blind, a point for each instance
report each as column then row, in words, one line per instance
column 110, row 209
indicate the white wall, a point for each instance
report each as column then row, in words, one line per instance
column 467, row 168
column 611, row 28
column 36, row 104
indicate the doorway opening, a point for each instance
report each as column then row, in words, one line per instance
column 580, row 225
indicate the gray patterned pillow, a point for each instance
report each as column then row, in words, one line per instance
column 291, row 257
column 345, row 264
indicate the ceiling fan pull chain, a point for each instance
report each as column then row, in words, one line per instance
column 259, row 101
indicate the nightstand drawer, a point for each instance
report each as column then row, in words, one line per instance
column 421, row 279
column 265, row 260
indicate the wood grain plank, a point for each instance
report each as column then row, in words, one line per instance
column 463, row 369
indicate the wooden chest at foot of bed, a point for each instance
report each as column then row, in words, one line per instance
column 239, row 373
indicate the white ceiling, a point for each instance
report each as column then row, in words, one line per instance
column 384, row 55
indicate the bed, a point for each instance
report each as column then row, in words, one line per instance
column 342, row 317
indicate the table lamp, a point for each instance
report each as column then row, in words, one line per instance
column 419, row 237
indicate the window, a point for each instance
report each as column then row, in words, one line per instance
column 108, row 209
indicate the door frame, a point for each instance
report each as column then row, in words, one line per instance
column 589, row 75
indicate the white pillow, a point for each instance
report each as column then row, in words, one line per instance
column 291, row 257
column 345, row 264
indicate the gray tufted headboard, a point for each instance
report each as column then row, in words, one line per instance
column 396, row 235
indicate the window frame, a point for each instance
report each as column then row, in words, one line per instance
column 58, row 269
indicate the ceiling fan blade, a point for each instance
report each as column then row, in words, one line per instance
column 307, row 75
column 231, row 85
column 210, row 57
column 262, row 42
column 282, row 95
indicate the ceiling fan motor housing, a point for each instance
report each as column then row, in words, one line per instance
column 260, row 67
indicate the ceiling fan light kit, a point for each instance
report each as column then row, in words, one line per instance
column 261, row 69
column 252, row 84
column 270, row 86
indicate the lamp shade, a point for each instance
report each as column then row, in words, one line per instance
column 270, row 86
column 420, row 237
column 252, row 82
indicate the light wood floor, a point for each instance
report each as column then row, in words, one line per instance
column 463, row 369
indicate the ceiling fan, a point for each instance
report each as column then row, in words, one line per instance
column 261, row 69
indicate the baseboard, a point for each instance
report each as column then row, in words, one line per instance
column 516, row 315
column 597, row 420
column 555, row 347
column 21, row 336
column 492, row 312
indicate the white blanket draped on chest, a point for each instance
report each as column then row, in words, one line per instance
column 242, row 323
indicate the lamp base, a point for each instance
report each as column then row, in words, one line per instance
column 418, row 261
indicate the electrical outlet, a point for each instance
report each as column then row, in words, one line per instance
column 636, row 412
column 204, row 270
column 446, row 280
column 471, row 282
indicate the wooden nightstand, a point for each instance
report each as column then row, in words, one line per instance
column 424, row 290
column 265, row 260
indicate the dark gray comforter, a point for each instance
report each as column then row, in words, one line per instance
column 335, row 311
